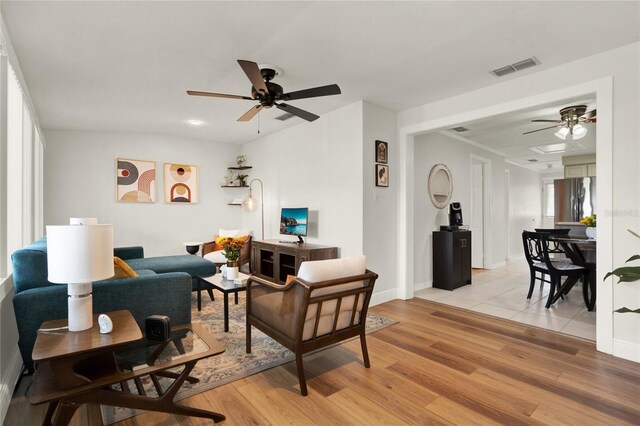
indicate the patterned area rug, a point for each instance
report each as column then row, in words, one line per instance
column 234, row 363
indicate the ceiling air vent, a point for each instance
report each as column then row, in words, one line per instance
column 460, row 129
column 518, row 66
column 532, row 160
column 285, row 116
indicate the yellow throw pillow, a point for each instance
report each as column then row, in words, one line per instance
column 122, row 270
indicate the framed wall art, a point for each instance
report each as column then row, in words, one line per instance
column 382, row 175
column 135, row 181
column 180, row 183
column 382, row 152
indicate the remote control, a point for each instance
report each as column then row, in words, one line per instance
column 106, row 325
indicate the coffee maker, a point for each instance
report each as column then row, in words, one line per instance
column 455, row 215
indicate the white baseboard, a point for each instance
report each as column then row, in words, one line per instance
column 8, row 383
column 422, row 286
column 383, row 296
column 626, row 350
column 498, row 265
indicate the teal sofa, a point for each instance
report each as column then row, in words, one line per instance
column 163, row 287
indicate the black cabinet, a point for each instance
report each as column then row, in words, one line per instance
column 451, row 259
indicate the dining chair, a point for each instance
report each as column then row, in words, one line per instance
column 555, row 249
column 535, row 259
column 558, row 270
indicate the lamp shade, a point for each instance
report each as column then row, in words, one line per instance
column 79, row 253
column 83, row 221
column 579, row 131
column 250, row 204
column 562, row 133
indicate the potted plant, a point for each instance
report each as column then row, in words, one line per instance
column 242, row 179
column 627, row 274
column 231, row 249
column 590, row 223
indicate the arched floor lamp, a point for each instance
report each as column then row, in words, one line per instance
column 250, row 204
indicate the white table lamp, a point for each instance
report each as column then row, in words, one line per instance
column 83, row 221
column 77, row 255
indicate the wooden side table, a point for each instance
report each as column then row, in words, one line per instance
column 74, row 368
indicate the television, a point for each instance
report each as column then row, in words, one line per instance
column 293, row 221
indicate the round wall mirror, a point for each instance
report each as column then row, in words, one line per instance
column 440, row 185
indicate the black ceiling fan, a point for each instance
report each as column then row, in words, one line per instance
column 569, row 117
column 269, row 94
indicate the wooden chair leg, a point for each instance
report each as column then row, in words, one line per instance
column 552, row 291
column 365, row 352
column 532, row 284
column 301, row 378
column 248, row 338
column 210, row 294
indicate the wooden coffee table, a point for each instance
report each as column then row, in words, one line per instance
column 74, row 368
column 225, row 286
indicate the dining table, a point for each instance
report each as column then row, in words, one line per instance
column 580, row 251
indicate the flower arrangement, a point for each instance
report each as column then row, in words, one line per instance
column 589, row 221
column 231, row 247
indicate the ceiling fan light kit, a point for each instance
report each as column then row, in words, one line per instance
column 570, row 123
column 268, row 94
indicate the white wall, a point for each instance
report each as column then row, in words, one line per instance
column 436, row 148
column 380, row 203
column 80, row 179
column 524, row 206
column 615, row 77
column 316, row 165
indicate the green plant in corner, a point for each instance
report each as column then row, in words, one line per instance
column 627, row 274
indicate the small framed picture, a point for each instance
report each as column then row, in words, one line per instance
column 382, row 152
column 382, row 175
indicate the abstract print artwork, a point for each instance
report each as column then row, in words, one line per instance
column 136, row 181
column 180, row 183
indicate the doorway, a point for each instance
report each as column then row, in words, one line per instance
column 479, row 206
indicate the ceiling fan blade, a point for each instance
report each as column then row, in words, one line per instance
column 253, row 72
column 331, row 89
column 539, row 130
column 251, row 113
column 297, row 111
column 217, row 95
column 589, row 117
column 546, row 121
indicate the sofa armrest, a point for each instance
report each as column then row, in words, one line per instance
column 165, row 294
column 132, row 252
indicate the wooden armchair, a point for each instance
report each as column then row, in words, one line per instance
column 326, row 303
column 209, row 252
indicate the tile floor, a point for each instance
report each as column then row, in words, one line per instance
column 502, row 292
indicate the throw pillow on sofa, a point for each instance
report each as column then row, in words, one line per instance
column 122, row 270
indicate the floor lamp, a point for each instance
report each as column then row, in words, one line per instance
column 250, row 204
column 77, row 255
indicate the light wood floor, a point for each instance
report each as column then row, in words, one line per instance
column 439, row 365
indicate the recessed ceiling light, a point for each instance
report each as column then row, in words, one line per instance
column 195, row 122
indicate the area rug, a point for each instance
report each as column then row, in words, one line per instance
column 234, row 363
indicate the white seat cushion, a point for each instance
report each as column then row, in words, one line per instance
column 233, row 233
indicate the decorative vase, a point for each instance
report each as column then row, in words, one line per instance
column 232, row 269
column 591, row 232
